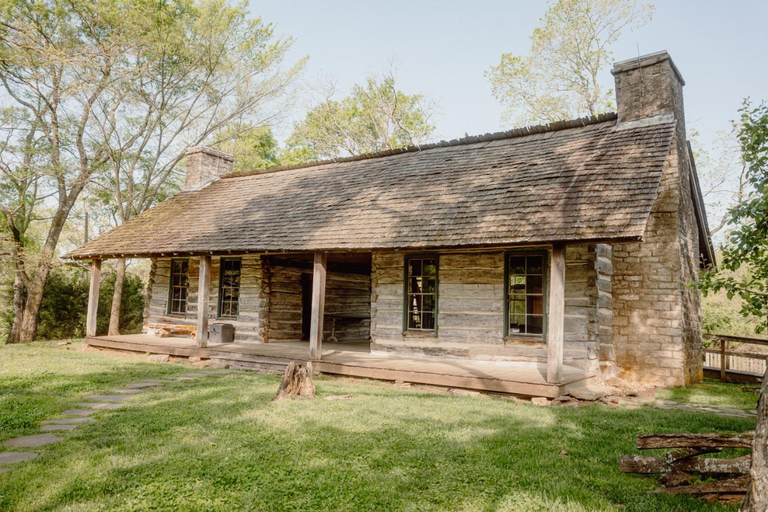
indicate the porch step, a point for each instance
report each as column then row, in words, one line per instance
column 250, row 362
column 520, row 387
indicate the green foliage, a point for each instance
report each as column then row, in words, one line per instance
column 374, row 117
column 558, row 79
column 65, row 301
column 747, row 245
column 252, row 147
column 220, row 443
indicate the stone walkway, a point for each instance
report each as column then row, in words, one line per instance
column 77, row 417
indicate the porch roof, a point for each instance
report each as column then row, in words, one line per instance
column 582, row 180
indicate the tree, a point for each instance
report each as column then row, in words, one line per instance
column 202, row 72
column 722, row 172
column 748, row 246
column 558, row 79
column 252, row 147
column 119, row 90
column 376, row 116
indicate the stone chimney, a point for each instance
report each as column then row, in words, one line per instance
column 647, row 87
column 656, row 323
column 205, row 165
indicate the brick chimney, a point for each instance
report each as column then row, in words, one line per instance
column 648, row 86
column 205, row 165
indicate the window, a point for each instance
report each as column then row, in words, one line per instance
column 177, row 300
column 525, row 294
column 229, row 288
column 421, row 294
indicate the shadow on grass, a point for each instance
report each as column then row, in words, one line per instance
column 220, row 443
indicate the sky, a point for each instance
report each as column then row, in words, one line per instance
column 442, row 49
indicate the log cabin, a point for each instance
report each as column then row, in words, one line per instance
column 516, row 262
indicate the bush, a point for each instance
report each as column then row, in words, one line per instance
column 65, row 301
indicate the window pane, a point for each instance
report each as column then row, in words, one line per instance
column 517, row 324
column 517, row 265
column 429, row 285
column 414, row 320
column 517, row 306
column 535, row 324
column 415, row 285
column 429, row 268
column 517, row 284
column 535, row 305
column 428, row 321
column 428, row 303
column 535, row 264
column 415, row 267
column 535, row 284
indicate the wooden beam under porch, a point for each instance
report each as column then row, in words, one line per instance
column 355, row 360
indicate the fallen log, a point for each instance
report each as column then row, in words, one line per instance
column 686, row 453
column 656, row 441
column 652, row 465
column 729, row 486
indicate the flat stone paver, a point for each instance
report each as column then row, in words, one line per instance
column 141, row 385
column 108, row 398
column 193, row 375
column 4, row 470
column 14, row 457
column 126, row 391
column 100, row 405
column 58, row 426
column 68, row 421
column 33, row 441
column 77, row 412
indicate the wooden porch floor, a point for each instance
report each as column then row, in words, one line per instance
column 355, row 360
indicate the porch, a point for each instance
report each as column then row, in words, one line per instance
column 355, row 360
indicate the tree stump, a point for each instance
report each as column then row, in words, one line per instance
column 296, row 381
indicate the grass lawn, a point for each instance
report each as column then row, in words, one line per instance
column 219, row 443
column 713, row 392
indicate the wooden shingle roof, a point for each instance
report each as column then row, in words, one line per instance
column 591, row 180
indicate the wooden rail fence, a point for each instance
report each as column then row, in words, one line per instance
column 731, row 365
column 684, row 472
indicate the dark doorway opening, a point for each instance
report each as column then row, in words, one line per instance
column 306, row 305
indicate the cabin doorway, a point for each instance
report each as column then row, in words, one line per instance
column 347, row 319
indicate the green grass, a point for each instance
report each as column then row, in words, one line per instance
column 219, row 443
column 713, row 392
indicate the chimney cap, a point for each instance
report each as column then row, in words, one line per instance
column 209, row 151
column 646, row 60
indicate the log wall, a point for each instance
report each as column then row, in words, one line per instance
column 471, row 309
column 250, row 325
column 270, row 301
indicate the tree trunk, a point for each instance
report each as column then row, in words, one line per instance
column 32, row 307
column 117, row 299
column 14, row 336
column 757, row 493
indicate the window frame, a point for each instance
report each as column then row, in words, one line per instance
column 420, row 256
column 220, row 297
column 528, row 337
column 169, row 307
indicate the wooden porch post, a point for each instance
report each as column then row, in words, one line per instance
column 203, row 298
column 318, row 306
column 556, row 317
column 93, row 299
